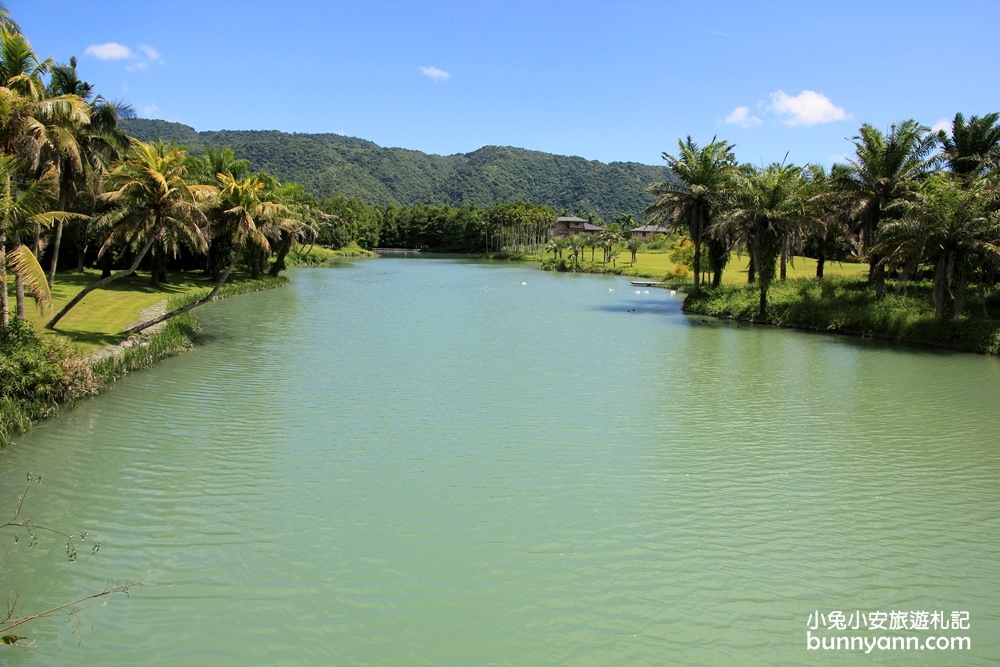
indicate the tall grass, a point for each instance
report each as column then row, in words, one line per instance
column 849, row 306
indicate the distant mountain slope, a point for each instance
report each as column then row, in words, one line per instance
column 327, row 165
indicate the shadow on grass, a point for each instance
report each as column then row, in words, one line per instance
column 72, row 282
column 91, row 338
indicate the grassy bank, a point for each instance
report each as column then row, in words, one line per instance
column 849, row 306
column 658, row 265
column 99, row 319
column 319, row 256
column 40, row 373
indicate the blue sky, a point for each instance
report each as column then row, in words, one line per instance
column 618, row 80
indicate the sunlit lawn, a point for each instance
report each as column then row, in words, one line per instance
column 657, row 265
column 99, row 319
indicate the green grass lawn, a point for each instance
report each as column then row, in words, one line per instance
column 99, row 319
column 657, row 265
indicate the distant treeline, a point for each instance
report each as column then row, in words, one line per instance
column 331, row 165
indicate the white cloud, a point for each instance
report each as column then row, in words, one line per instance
column 435, row 74
column 149, row 111
column 137, row 59
column 806, row 108
column 741, row 116
column 109, row 51
column 152, row 55
column 943, row 124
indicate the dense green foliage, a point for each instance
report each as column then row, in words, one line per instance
column 849, row 306
column 330, row 165
column 36, row 376
column 908, row 200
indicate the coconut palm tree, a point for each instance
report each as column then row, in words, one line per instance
column 6, row 22
column 40, row 127
column 243, row 211
column 21, row 211
column 691, row 197
column 151, row 203
column 886, row 169
column 93, row 142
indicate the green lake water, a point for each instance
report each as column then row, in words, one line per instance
column 445, row 462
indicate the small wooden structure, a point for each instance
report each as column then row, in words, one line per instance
column 571, row 226
column 647, row 232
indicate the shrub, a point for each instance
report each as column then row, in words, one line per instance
column 36, row 375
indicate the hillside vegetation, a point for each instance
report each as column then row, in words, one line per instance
column 327, row 165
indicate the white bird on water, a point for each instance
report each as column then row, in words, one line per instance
column 611, row 289
column 673, row 292
column 523, row 283
column 638, row 292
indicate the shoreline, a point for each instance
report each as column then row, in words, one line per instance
column 848, row 308
column 98, row 370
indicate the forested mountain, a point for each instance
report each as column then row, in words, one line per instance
column 327, row 165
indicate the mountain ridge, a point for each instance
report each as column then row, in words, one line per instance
column 329, row 164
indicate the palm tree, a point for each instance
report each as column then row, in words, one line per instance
column 886, row 168
column 949, row 224
column 42, row 127
column 577, row 243
column 244, row 210
column 591, row 241
column 22, row 210
column 768, row 206
column 828, row 209
column 151, row 203
column 692, row 195
column 93, row 142
column 607, row 240
column 6, row 22
column 633, row 246
column 556, row 246
column 973, row 146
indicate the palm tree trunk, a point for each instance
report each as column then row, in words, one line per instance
column 183, row 309
column 762, row 302
column 284, row 246
column 56, row 240
column 51, row 324
column 18, row 281
column 19, row 295
column 876, row 275
column 940, row 289
column 4, row 312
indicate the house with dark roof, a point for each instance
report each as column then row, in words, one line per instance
column 571, row 226
column 648, row 232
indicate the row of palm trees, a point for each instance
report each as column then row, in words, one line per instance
column 607, row 241
column 908, row 198
column 64, row 161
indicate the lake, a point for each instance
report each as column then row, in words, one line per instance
column 448, row 462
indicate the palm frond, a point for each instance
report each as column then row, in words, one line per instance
column 23, row 263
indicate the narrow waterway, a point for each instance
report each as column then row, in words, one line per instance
column 445, row 462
